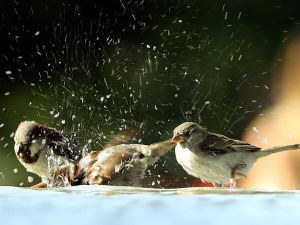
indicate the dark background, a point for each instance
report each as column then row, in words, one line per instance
column 91, row 67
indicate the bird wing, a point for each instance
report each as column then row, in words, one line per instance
column 158, row 149
column 111, row 164
column 62, row 144
column 215, row 144
column 97, row 167
column 125, row 136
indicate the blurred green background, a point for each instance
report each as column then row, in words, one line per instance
column 89, row 67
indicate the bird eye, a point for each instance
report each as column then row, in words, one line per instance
column 187, row 133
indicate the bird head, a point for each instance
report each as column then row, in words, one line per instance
column 188, row 132
column 29, row 141
column 32, row 139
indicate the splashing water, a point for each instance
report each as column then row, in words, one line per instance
column 30, row 179
column 152, row 65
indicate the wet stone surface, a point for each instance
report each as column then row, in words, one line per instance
column 126, row 205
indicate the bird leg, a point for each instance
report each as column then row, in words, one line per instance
column 234, row 173
column 232, row 183
column 40, row 185
column 218, row 185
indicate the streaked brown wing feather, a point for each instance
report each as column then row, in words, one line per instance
column 125, row 136
column 106, row 172
column 215, row 144
column 62, row 144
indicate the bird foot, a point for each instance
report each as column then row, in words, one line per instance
column 232, row 183
column 40, row 185
column 236, row 175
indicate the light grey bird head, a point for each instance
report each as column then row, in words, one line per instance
column 189, row 134
column 31, row 139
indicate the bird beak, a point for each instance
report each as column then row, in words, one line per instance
column 177, row 138
column 18, row 149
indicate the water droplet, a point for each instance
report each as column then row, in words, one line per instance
column 265, row 140
column 15, row 170
column 255, row 129
column 56, row 115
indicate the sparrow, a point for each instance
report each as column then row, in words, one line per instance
column 216, row 158
column 120, row 165
column 42, row 149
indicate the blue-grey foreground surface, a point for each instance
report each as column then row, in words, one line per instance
column 126, row 205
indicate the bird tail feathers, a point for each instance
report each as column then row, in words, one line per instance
column 276, row 149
